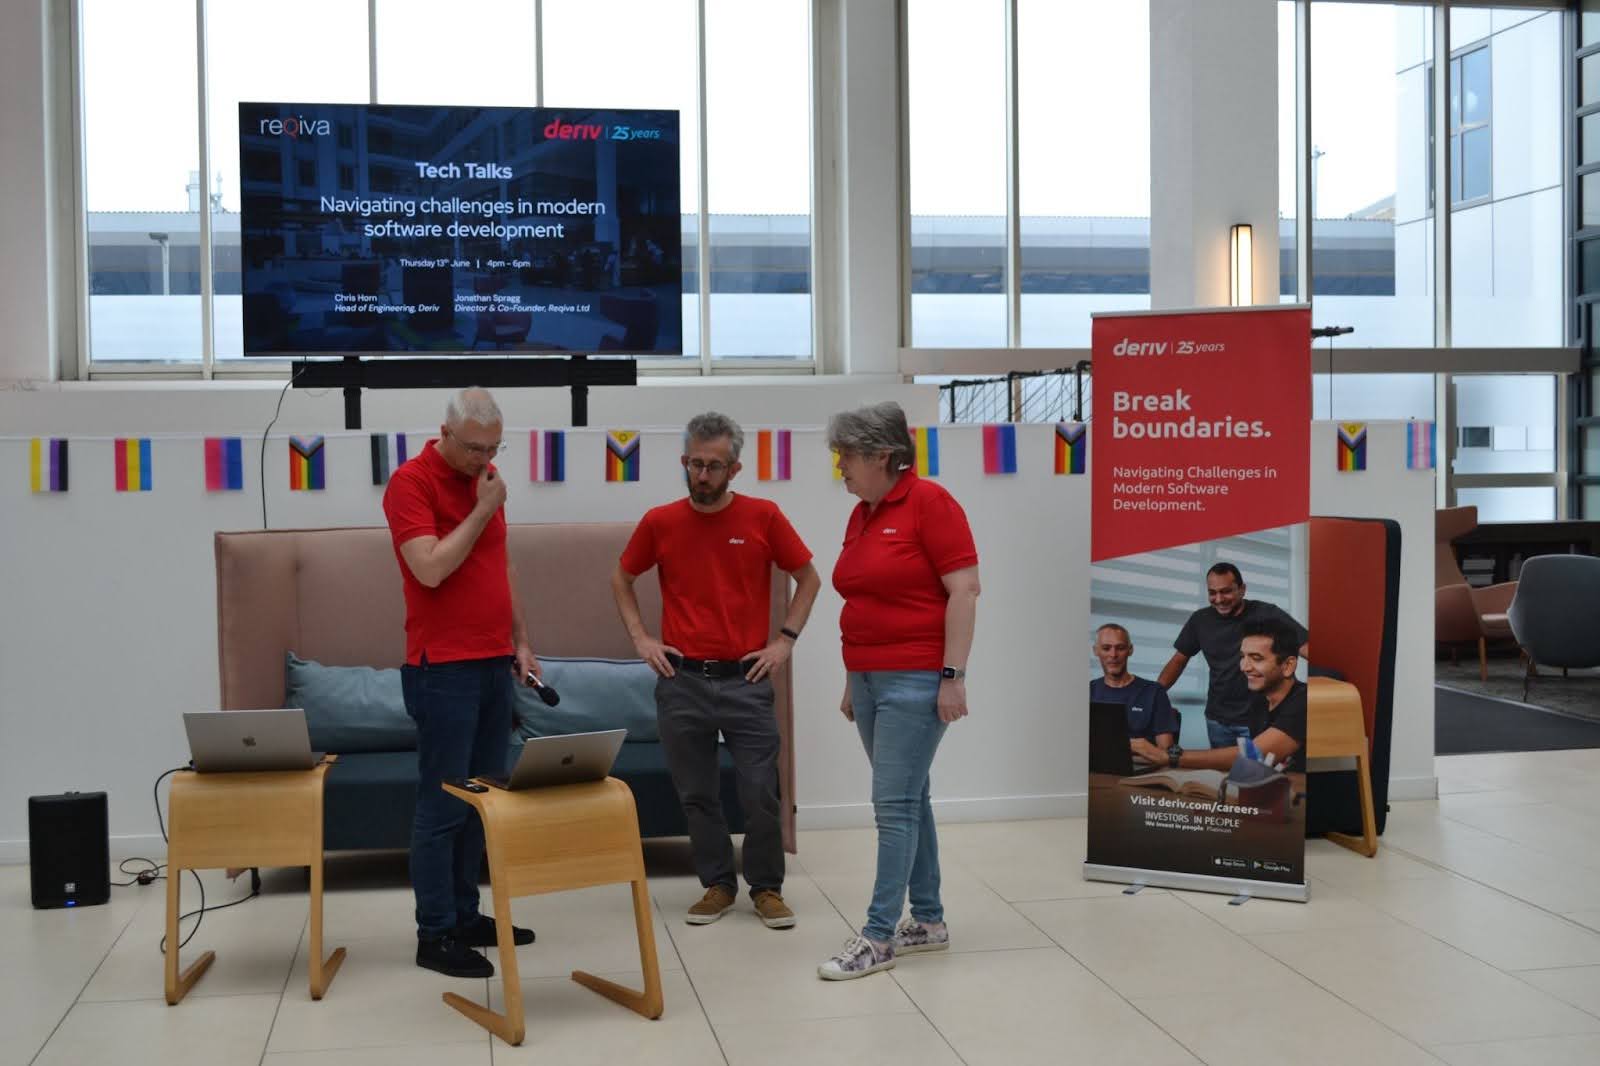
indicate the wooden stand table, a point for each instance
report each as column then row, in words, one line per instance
column 550, row 840
column 245, row 819
column 1336, row 726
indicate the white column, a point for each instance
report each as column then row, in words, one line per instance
column 25, row 206
column 1213, row 146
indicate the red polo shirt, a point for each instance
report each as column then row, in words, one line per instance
column 469, row 615
column 889, row 574
column 716, row 570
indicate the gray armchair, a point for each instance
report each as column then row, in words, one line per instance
column 1555, row 614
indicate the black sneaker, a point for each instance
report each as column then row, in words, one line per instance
column 452, row 958
column 481, row 933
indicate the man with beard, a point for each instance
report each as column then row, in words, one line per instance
column 715, row 658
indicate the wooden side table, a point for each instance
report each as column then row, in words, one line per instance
column 245, row 819
column 551, row 840
column 1335, row 727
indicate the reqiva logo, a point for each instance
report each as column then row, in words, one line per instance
column 295, row 126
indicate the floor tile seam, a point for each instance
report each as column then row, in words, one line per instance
column 694, row 988
column 1514, row 1040
column 1593, row 868
column 288, row 976
column 1496, row 889
column 78, row 996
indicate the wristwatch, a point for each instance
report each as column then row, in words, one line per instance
column 791, row 634
column 952, row 673
column 1174, row 753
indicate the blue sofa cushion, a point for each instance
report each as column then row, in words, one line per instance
column 595, row 694
column 349, row 708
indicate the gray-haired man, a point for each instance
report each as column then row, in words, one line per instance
column 715, row 657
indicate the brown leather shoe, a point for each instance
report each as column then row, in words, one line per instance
column 713, row 905
column 773, row 911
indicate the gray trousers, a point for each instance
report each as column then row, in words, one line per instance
column 690, row 711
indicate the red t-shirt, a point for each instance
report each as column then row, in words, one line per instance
column 716, row 569
column 469, row 615
column 889, row 574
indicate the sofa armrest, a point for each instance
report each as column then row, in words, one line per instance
column 1495, row 599
column 1455, row 615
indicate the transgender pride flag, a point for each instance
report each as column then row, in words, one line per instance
column 1422, row 445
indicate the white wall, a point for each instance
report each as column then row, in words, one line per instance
column 112, row 630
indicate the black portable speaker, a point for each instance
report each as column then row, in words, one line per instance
column 69, row 849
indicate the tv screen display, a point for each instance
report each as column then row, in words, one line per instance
column 369, row 229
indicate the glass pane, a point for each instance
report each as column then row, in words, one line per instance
column 956, row 60
column 1288, row 126
column 1372, row 251
column 758, row 125
column 1589, row 23
column 1591, row 450
column 1591, row 500
column 1589, row 262
column 1455, row 94
column 245, row 48
column 1474, row 72
column 1530, row 504
column 1455, row 169
column 412, row 38
column 1475, row 164
column 1589, row 80
column 1085, row 229
column 649, row 62
column 1589, row 138
column 143, row 219
column 1506, row 424
column 1589, row 205
column 1362, row 397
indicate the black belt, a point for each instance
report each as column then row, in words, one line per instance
column 717, row 669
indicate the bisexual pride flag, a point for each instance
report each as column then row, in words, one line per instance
column 389, row 451
column 1000, row 449
column 547, row 455
column 1072, row 447
column 131, row 457
column 925, row 439
column 772, row 455
column 1422, row 444
column 622, row 455
column 307, row 469
column 47, row 464
column 224, row 464
column 1352, row 447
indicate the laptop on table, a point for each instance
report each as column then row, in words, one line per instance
column 239, row 741
column 565, row 759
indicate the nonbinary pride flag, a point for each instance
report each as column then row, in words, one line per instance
column 925, row 439
column 47, row 464
column 547, row 455
column 224, row 464
column 1422, row 442
column 389, row 451
column 622, row 455
column 1072, row 447
column 131, row 456
column 772, row 455
column 1000, row 449
column 307, row 468
column 1352, row 447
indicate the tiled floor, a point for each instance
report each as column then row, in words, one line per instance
column 1473, row 939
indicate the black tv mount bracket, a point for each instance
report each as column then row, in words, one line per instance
column 353, row 373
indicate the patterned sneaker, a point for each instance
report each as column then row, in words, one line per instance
column 713, row 905
column 775, row 913
column 913, row 936
column 857, row 958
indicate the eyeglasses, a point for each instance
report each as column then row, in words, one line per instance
column 488, row 451
column 699, row 466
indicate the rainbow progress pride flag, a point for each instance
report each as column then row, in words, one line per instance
column 307, row 465
column 131, row 459
column 1351, row 447
column 622, row 455
column 1072, row 447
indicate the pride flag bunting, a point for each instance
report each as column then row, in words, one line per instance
column 224, row 464
column 389, row 451
column 47, row 464
column 307, row 465
column 1352, row 447
column 1072, row 447
column 1000, row 449
column 547, row 456
column 131, row 456
column 772, row 455
column 622, row 455
column 1422, row 445
column 925, row 439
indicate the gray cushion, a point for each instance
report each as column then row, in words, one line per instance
column 350, row 708
column 595, row 694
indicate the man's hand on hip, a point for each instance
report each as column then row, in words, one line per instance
column 769, row 659
column 655, row 653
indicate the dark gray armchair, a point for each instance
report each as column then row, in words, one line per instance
column 1555, row 614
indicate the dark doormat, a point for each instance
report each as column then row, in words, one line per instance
column 1467, row 724
column 1576, row 694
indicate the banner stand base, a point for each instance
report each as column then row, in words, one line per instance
column 1227, row 886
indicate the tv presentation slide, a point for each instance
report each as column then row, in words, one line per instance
column 368, row 229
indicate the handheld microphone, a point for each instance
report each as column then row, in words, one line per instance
column 550, row 696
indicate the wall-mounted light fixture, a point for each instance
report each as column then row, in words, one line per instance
column 1241, row 277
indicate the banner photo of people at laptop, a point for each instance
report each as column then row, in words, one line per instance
column 1201, row 492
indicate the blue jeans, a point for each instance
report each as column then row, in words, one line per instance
column 1225, row 736
column 463, row 715
column 898, row 718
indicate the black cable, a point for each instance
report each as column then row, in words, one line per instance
column 199, row 913
column 296, row 372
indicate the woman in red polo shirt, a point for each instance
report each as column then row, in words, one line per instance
column 908, row 572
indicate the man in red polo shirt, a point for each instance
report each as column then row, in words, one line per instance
column 466, row 642
column 715, row 659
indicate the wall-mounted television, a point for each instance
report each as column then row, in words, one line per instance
column 374, row 229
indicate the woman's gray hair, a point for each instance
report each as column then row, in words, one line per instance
column 713, row 426
column 876, row 430
column 472, row 404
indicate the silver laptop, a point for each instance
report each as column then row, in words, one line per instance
column 563, row 760
column 224, row 741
